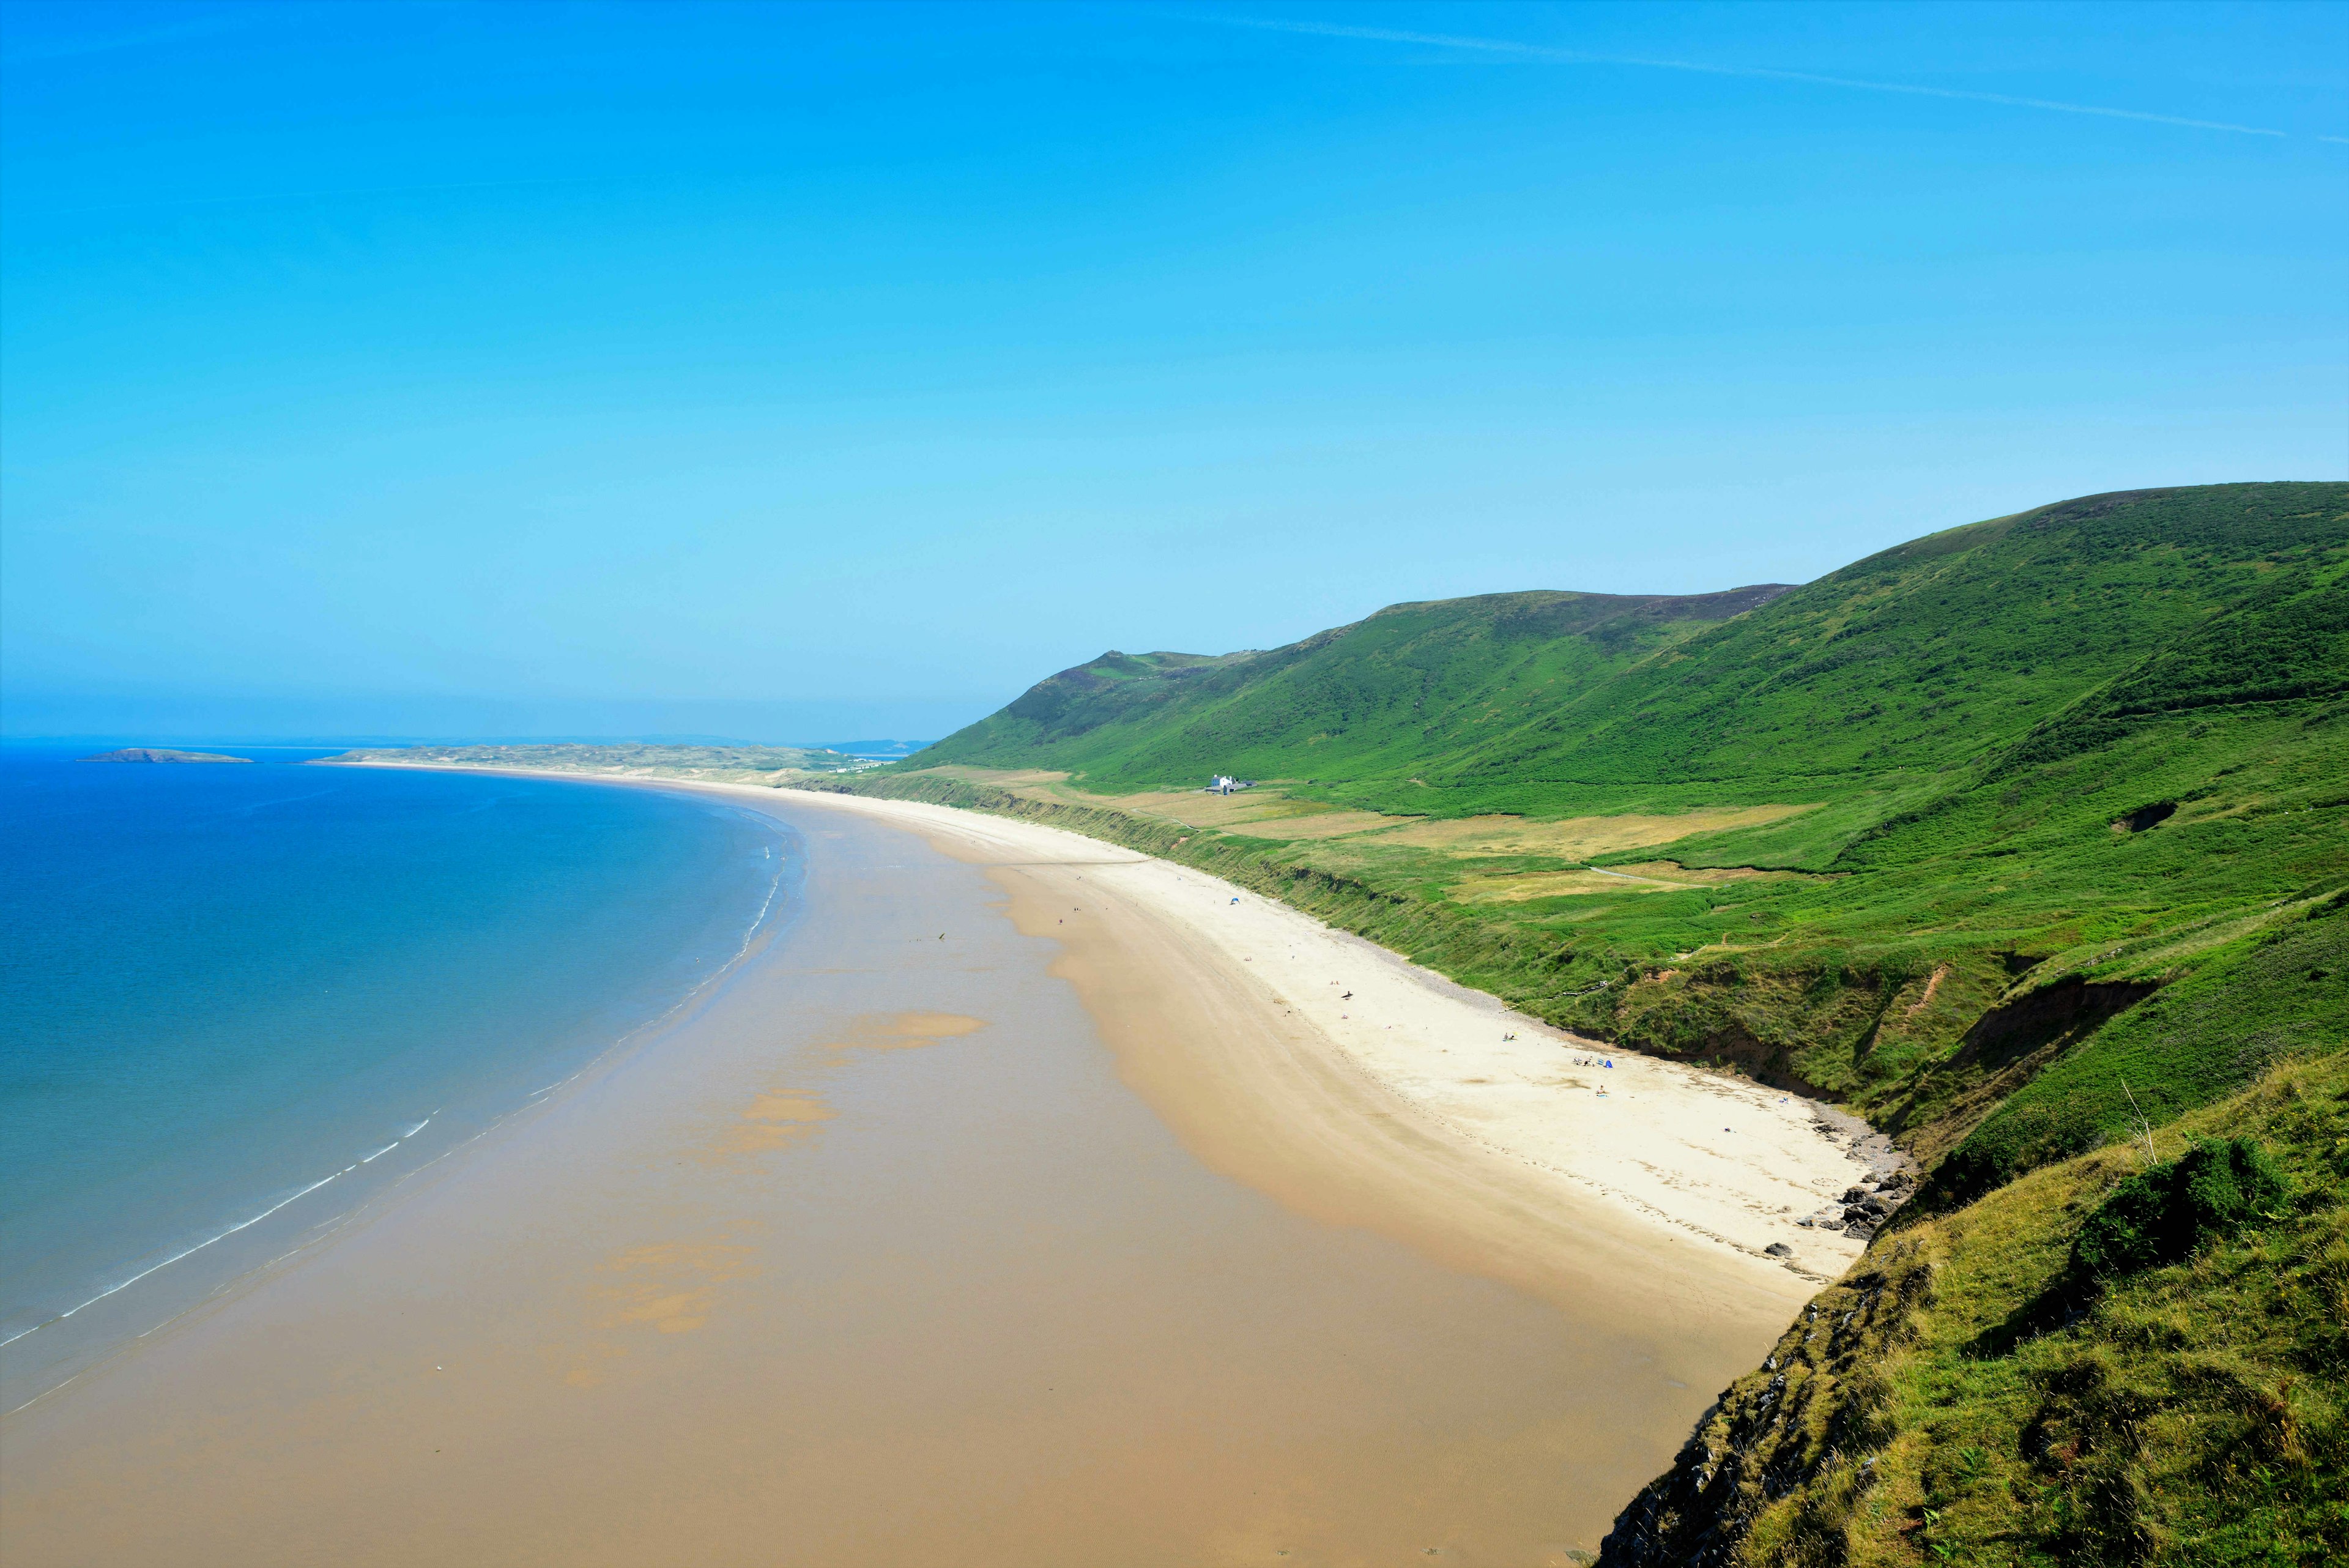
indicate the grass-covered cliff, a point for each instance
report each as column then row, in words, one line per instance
column 1983, row 1388
column 2026, row 839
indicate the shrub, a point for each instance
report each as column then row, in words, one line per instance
column 2161, row 1214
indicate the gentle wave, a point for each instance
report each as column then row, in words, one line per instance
column 750, row 935
column 222, row 1236
column 718, row 973
column 391, row 827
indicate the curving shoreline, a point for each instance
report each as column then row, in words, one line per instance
column 879, row 1256
column 1281, row 1081
column 1355, row 1084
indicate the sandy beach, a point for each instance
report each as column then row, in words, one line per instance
column 1514, row 1146
column 1023, row 1200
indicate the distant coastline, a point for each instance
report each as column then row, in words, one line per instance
column 773, row 767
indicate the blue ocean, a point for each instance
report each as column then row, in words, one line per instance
column 240, row 1001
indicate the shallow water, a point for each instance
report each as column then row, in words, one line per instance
column 237, row 1000
column 872, row 1258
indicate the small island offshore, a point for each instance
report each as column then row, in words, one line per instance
column 159, row 754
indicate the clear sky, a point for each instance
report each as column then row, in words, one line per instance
column 836, row 372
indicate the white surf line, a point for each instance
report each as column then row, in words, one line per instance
column 759, row 919
column 323, row 1232
column 224, row 1235
column 774, row 889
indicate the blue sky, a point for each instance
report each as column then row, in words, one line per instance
column 830, row 372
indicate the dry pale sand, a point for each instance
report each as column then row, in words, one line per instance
column 1360, row 1086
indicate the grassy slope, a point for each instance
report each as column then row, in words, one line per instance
column 1888, row 670
column 2279, row 992
column 1374, row 699
column 1960, row 1396
column 1968, row 715
column 2077, row 853
column 1927, row 656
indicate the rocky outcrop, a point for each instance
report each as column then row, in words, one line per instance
column 1813, row 1417
column 1866, row 1205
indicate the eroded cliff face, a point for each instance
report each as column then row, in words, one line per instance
column 1814, row 1416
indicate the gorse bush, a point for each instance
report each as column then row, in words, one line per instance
column 2161, row 1214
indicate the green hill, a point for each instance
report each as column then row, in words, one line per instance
column 2024, row 839
column 1377, row 700
column 1900, row 836
column 1930, row 653
column 1971, row 1392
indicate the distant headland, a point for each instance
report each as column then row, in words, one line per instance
column 773, row 766
column 154, row 754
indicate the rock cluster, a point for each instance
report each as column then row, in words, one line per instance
column 1864, row 1208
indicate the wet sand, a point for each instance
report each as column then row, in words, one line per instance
column 938, row 1232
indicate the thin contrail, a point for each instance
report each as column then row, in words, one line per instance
column 1581, row 57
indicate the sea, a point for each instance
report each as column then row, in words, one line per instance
column 238, row 1003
